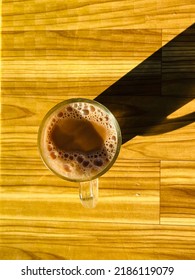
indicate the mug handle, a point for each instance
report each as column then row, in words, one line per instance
column 88, row 193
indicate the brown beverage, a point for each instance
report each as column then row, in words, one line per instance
column 78, row 141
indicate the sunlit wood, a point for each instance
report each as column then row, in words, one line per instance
column 132, row 56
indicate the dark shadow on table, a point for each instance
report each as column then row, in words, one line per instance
column 164, row 82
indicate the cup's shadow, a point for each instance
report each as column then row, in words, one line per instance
column 143, row 99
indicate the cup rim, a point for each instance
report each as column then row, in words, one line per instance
column 76, row 100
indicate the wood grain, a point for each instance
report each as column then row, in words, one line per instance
column 154, row 127
column 178, row 62
column 137, row 58
column 30, row 15
column 28, row 239
column 177, row 192
column 132, row 197
column 71, row 63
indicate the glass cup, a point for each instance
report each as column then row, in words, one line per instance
column 79, row 140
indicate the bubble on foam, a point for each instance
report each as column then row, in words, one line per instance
column 67, row 168
column 114, row 137
column 80, row 158
column 85, row 163
column 98, row 162
column 85, row 112
column 69, row 109
column 60, row 114
column 49, row 147
column 53, row 155
column 92, row 108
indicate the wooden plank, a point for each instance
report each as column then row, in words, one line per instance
column 30, row 239
column 79, row 45
column 73, row 63
column 178, row 62
column 177, row 192
column 58, row 15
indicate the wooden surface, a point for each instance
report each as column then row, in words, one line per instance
column 136, row 57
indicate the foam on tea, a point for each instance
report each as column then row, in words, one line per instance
column 79, row 141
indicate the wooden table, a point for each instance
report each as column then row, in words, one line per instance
column 136, row 57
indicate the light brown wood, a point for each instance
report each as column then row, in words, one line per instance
column 177, row 192
column 85, row 14
column 28, row 239
column 133, row 196
column 137, row 58
column 73, row 63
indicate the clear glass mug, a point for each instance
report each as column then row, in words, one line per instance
column 79, row 140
